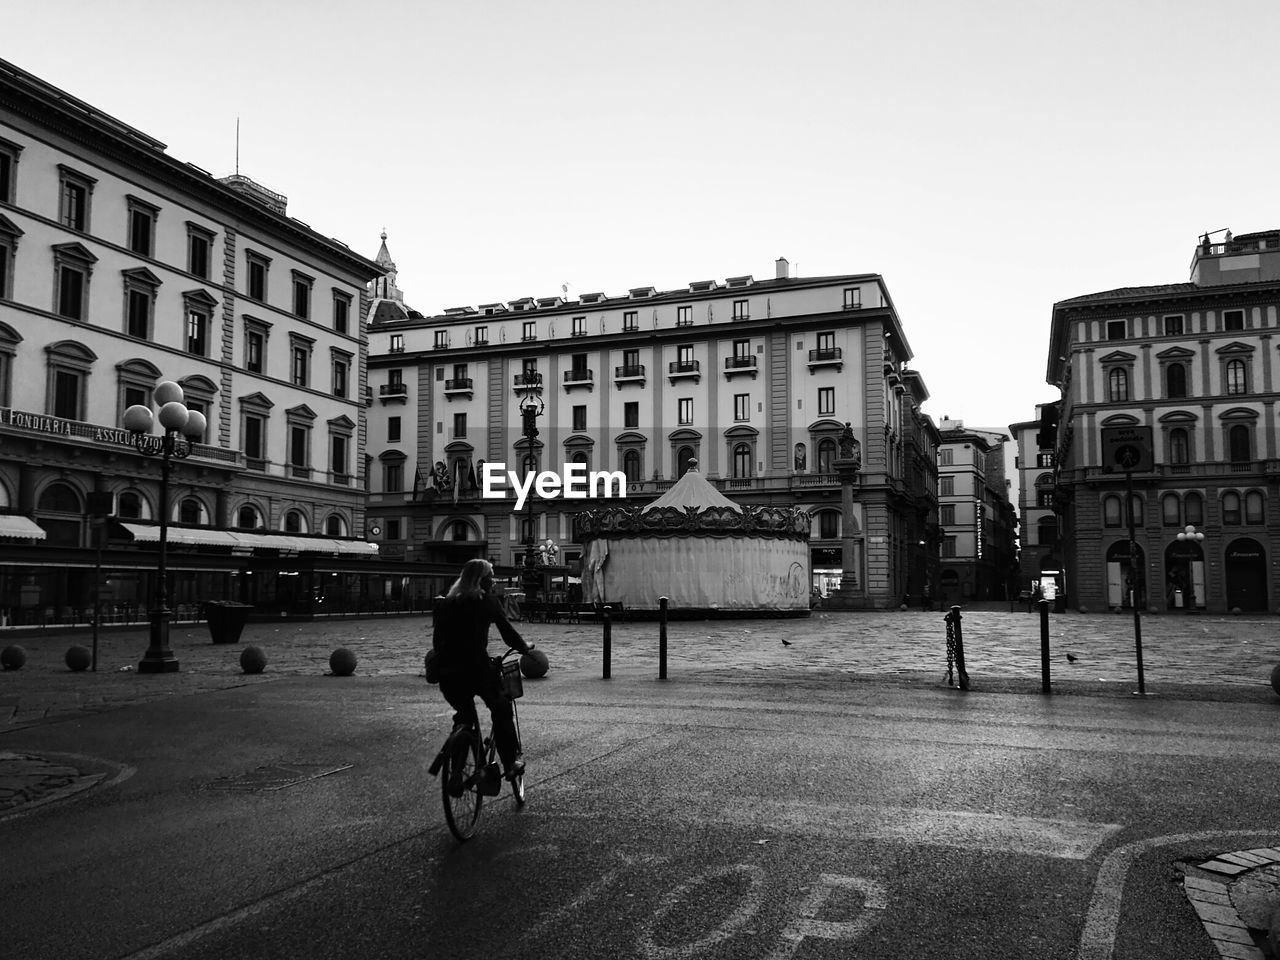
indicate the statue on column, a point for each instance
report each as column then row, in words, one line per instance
column 850, row 448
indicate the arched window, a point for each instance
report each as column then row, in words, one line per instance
column 248, row 517
column 1239, row 442
column 742, row 460
column 59, row 498
column 530, row 463
column 1193, row 507
column 1047, row 532
column 1231, row 509
column 1237, row 376
column 631, row 466
column 684, row 457
column 1118, row 385
column 826, row 455
column 580, row 457
column 335, row 526
column 1139, row 517
column 1112, row 513
column 129, row 506
column 828, row 525
column 191, row 511
column 1171, row 510
column 1254, row 512
column 295, row 522
column 1179, row 446
column 1176, row 380
column 459, row 530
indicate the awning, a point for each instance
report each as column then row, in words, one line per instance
column 12, row 525
column 150, row 533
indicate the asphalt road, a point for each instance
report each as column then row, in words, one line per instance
column 816, row 817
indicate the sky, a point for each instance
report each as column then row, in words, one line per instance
column 986, row 158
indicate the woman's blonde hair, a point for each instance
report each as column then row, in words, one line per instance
column 468, row 582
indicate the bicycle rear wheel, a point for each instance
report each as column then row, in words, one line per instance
column 460, row 786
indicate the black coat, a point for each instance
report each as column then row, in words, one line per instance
column 460, row 633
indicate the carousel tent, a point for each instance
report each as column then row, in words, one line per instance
column 700, row 550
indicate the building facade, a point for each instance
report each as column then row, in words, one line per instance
column 753, row 380
column 121, row 267
column 978, row 550
column 1038, row 541
column 1193, row 365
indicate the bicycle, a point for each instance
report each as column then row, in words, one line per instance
column 470, row 765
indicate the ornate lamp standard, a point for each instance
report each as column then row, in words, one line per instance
column 531, row 407
column 1191, row 536
column 182, row 428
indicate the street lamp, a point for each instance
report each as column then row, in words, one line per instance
column 531, row 407
column 182, row 428
column 1191, row 536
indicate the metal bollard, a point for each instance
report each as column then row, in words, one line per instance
column 955, row 649
column 662, row 638
column 1044, row 646
column 608, row 641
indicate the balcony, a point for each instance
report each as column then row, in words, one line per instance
column 459, row 387
column 737, row 366
column 524, row 382
column 681, row 369
column 579, row 377
column 393, row 393
column 828, row 357
column 629, row 373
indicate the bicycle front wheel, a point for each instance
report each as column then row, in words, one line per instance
column 460, row 787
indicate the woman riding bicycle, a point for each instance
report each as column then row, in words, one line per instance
column 460, row 638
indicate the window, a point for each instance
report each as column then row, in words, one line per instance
column 826, row 401
column 1171, row 510
column 685, row 406
column 197, row 340
column 9, row 340
column 1253, row 508
column 459, row 425
column 1179, row 446
column 302, row 295
column 579, row 327
column 1117, row 329
column 299, row 450
column 631, row 466
column 826, row 455
column 1047, row 532
column 77, row 191
column 1112, row 512
column 255, row 439
column 948, row 547
column 9, row 153
column 530, row 330
column 341, row 362
column 255, row 345
column 393, row 429
column 741, row 460
column 1173, row 326
column 684, row 316
column 335, row 526
column 741, row 310
column 631, row 415
column 946, row 486
column 338, row 458
column 1118, row 385
column 441, row 339
column 741, row 407
column 1044, row 459
column 482, row 336
column 393, row 476
column 1231, row 509
column 827, row 345
column 1233, row 320
column 1240, row 443
column 199, row 250
column 947, row 457
column 828, row 525
column 341, row 311
column 947, row 514
column 137, row 379
column 142, row 227
column 300, row 359
column 9, row 234
column 139, row 302
column 397, row 343
column 295, row 522
column 630, row 321
column 1175, row 377
column 395, row 376
column 73, row 265
column 741, row 349
column 1193, row 506
column 68, row 394
column 1236, row 376
column 191, row 511
column 248, row 517
column 685, row 457
column 853, row 298
column 258, row 266
column 580, row 417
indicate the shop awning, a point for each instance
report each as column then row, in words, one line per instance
column 12, row 525
column 150, row 533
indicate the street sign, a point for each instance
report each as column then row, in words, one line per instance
column 1127, row 449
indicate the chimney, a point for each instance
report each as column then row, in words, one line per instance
column 783, row 268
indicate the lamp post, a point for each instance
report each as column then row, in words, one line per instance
column 531, row 407
column 1191, row 536
column 182, row 428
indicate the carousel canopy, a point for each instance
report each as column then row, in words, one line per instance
column 693, row 490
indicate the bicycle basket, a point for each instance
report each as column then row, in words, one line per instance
column 512, row 684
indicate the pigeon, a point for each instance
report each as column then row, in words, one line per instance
column 786, row 643
column 1072, row 658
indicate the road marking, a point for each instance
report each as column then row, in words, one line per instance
column 747, row 908
column 874, row 897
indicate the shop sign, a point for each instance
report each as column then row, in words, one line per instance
column 57, row 427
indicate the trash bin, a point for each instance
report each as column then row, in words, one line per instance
column 226, row 619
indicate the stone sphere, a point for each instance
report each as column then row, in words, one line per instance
column 252, row 660
column 1275, row 679
column 13, row 657
column 342, row 662
column 79, row 657
column 534, row 664
column 1235, row 611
